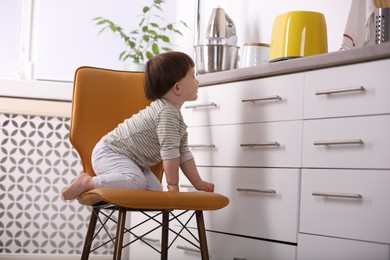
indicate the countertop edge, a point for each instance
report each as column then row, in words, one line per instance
column 36, row 89
column 332, row 59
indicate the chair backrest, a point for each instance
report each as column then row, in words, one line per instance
column 102, row 99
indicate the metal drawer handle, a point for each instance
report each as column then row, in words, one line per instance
column 152, row 240
column 265, row 191
column 276, row 97
column 238, row 258
column 186, row 248
column 211, row 104
column 339, row 142
column 201, row 146
column 337, row 195
column 261, row 145
column 341, row 90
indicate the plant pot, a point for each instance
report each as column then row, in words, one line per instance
column 134, row 66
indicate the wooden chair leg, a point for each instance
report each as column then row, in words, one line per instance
column 164, row 235
column 90, row 233
column 119, row 233
column 202, row 235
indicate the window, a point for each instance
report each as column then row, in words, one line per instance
column 10, row 27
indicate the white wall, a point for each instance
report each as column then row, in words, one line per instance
column 10, row 17
column 64, row 37
column 254, row 18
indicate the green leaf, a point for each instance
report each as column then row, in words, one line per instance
column 183, row 23
column 121, row 55
column 158, row 7
column 155, row 48
column 146, row 38
column 149, row 55
column 166, row 49
column 113, row 27
column 178, row 32
column 101, row 30
column 126, row 57
column 143, row 41
column 146, row 9
column 152, row 32
column 101, row 22
column 164, row 38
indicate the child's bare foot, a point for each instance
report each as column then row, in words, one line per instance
column 81, row 184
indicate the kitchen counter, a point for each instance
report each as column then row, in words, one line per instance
column 332, row 59
column 35, row 97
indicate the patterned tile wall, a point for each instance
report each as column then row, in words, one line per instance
column 36, row 162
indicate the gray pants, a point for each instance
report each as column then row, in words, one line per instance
column 114, row 170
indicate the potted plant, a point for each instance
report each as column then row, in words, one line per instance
column 149, row 39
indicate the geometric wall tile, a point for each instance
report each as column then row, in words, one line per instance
column 36, row 162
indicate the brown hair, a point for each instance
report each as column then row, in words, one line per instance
column 163, row 71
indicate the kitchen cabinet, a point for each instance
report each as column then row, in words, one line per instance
column 353, row 90
column 304, row 159
column 325, row 248
column 262, row 100
column 344, row 211
column 332, row 153
column 222, row 247
column 255, row 145
column 246, row 138
column 260, row 200
column 346, row 203
column 350, row 142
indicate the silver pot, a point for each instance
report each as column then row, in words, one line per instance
column 215, row 57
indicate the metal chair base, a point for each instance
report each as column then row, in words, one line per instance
column 103, row 218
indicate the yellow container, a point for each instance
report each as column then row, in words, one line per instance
column 298, row 34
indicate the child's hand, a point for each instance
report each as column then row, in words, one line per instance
column 204, row 186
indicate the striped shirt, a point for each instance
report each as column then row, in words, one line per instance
column 156, row 133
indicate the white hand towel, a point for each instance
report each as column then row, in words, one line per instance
column 360, row 27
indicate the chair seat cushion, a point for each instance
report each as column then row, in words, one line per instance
column 155, row 200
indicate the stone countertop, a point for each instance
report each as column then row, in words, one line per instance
column 332, row 59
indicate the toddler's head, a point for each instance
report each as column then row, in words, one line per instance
column 163, row 71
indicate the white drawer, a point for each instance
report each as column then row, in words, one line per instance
column 238, row 248
column 263, row 202
column 326, row 248
column 372, row 76
column 260, row 100
column 181, row 247
column 365, row 218
column 222, row 247
column 138, row 249
column 262, row 144
column 372, row 152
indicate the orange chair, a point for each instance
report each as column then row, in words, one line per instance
column 102, row 99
